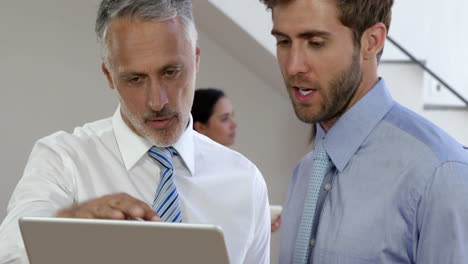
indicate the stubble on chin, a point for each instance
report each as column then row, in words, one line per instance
column 306, row 113
column 157, row 137
column 164, row 137
column 335, row 99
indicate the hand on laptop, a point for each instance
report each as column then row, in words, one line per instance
column 115, row 206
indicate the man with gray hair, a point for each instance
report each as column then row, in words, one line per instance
column 145, row 162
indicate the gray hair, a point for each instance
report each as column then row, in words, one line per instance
column 159, row 10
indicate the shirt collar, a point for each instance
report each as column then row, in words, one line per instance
column 349, row 132
column 133, row 147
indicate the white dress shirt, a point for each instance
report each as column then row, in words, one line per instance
column 216, row 185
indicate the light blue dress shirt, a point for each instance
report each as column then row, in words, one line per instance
column 398, row 191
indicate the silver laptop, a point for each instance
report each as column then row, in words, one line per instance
column 78, row 241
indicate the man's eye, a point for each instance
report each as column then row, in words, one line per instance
column 135, row 80
column 172, row 72
column 316, row 44
column 282, row 42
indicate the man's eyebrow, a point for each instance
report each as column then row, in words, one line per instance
column 275, row 32
column 306, row 34
column 314, row 33
column 130, row 74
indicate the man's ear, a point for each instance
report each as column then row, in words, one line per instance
column 373, row 40
column 199, row 127
column 108, row 75
column 197, row 58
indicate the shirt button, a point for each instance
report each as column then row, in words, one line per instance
column 312, row 242
column 327, row 187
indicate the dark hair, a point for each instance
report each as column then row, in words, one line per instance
column 204, row 102
column 358, row 15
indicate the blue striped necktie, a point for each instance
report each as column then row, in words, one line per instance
column 320, row 166
column 166, row 203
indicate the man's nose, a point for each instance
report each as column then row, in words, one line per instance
column 297, row 61
column 157, row 97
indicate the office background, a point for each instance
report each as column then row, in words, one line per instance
column 51, row 78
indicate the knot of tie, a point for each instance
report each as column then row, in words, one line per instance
column 163, row 155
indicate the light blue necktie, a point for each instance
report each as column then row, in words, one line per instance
column 320, row 165
column 166, row 203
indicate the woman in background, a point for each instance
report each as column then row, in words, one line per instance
column 213, row 116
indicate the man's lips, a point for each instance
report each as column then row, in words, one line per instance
column 160, row 122
column 304, row 94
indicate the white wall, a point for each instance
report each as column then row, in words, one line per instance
column 436, row 32
column 254, row 19
column 50, row 75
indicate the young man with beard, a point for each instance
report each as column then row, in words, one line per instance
column 110, row 169
column 382, row 185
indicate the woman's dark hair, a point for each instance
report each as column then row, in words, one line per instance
column 204, row 102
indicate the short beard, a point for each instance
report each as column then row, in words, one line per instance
column 336, row 97
column 161, row 137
